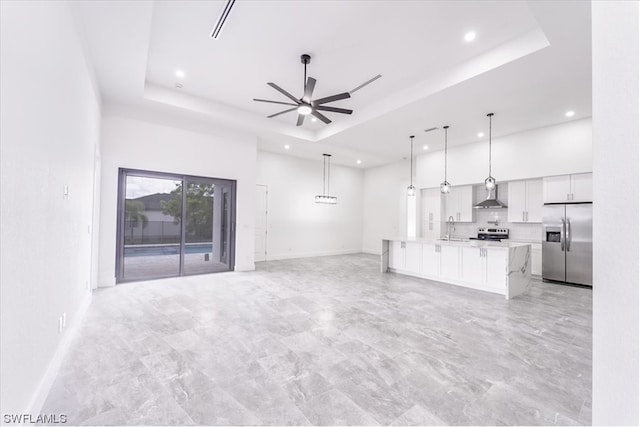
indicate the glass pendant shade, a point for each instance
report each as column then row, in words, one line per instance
column 411, row 189
column 445, row 187
column 490, row 183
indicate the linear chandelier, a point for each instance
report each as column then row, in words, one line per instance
column 326, row 175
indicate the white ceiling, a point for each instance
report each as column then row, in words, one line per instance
column 530, row 62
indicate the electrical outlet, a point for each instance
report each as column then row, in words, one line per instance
column 64, row 320
column 60, row 324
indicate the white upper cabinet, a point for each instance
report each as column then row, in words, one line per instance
column 568, row 188
column 431, row 212
column 582, row 187
column 459, row 204
column 525, row 201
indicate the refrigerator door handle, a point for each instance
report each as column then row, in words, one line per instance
column 563, row 234
column 568, row 243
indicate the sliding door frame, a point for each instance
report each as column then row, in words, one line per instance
column 120, row 218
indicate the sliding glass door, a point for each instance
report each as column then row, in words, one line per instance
column 172, row 225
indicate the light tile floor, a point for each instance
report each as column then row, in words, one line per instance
column 327, row 341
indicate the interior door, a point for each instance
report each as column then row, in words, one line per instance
column 579, row 248
column 261, row 223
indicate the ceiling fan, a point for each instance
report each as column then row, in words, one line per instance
column 306, row 105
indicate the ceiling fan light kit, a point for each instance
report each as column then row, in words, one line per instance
column 325, row 198
column 306, row 105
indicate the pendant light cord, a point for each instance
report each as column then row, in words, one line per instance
column 446, row 130
column 411, row 160
column 329, row 177
column 490, row 116
column 324, row 174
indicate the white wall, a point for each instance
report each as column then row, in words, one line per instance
column 50, row 114
column 615, row 208
column 553, row 150
column 130, row 142
column 296, row 225
column 384, row 204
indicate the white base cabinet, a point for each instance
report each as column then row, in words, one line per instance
column 505, row 270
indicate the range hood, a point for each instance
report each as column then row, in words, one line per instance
column 492, row 201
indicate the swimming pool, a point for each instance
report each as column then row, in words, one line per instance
column 169, row 249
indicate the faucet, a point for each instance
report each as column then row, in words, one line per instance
column 450, row 223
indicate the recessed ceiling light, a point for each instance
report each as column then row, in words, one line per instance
column 313, row 119
column 180, row 74
column 470, row 36
column 426, row 147
column 480, row 134
column 570, row 113
column 286, row 147
column 358, row 161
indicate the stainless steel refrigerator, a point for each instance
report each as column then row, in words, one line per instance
column 567, row 243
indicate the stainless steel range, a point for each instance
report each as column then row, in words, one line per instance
column 493, row 234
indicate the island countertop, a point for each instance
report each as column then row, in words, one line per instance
column 460, row 242
column 499, row 267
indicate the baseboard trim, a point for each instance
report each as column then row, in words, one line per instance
column 278, row 257
column 245, row 267
column 44, row 387
column 371, row 252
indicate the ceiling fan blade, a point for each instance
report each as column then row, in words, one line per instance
column 320, row 116
column 282, row 112
column 274, row 102
column 284, row 92
column 366, row 83
column 333, row 109
column 331, row 98
column 300, row 120
column 308, row 89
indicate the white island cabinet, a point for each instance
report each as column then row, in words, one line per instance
column 498, row 267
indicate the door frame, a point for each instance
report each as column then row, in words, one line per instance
column 120, row 219
column 266, row 221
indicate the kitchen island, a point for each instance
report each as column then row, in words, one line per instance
column 500, row 267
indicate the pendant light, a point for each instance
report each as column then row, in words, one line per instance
column 490, row 182
column 326, row 172
column 445, row 187
column 411, row 190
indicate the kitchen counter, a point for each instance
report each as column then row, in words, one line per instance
column 463, row 242
column 499, row 267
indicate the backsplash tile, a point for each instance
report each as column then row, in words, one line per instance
column 517, row 231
